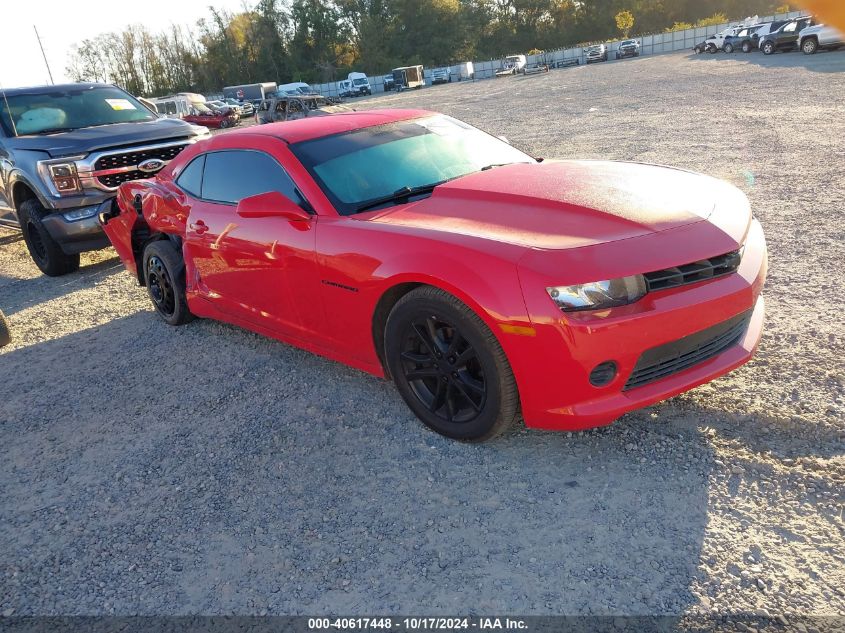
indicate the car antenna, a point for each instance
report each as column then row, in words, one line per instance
column 9, row 111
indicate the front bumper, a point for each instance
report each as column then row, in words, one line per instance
column 552, row 368
column 77, row 236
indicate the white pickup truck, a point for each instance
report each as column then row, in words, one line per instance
column 819, row 36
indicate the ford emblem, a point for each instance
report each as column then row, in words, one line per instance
column 151, row 165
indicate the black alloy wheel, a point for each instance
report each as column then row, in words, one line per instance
column 449, row 367
column 442, row 369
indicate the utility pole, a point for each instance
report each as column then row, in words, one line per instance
column 43, row 54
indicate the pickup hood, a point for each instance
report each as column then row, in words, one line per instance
column 570, row 204
column 85, row 140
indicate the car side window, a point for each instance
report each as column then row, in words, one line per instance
column 232, row 175
column 191, row 177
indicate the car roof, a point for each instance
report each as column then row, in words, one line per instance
column 316, row 127
column 55, row 88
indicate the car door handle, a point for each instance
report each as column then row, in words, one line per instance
column 199, row 226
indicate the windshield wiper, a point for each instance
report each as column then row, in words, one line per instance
column 55, row 130
column 401, row 195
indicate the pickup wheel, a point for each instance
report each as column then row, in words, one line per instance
column 164, row 273
column 448, row 366
column 810, row 46
column 5, row 333
column 44, row 250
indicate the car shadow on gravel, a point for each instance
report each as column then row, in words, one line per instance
column 20, row 294
column 8, row 236
column 207, row 469
column 822, row 62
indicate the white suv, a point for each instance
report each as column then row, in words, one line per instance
column 819, row 36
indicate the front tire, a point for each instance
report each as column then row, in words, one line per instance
column 810, row 46
column 44, row 250
column 729, row 48
column 746, row 47
column 448, row 366
column 164, row 274
column 768, row 48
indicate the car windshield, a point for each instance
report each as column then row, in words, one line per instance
column 63, row 109
column 627, row 42
column 356, row 168
column 359, row 81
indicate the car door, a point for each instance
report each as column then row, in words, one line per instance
column 257, row 270
column 787, row 36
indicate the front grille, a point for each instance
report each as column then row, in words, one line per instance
column 131, row 159
column 671, row 358
column 693, row 272
column 114, row 180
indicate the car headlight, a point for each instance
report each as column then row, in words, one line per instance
column 599, row 294
column 63, row 176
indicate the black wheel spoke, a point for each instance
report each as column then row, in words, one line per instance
column 455, row 343
column 419, row 359
column 423, row 373
column 474, row 385
column 460, row 388
column 439, row 397
column 464, row 357
column 423, row 335
column 451, row 410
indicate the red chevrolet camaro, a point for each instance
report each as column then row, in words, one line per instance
column 487, row 284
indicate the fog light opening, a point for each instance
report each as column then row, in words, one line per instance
column 603, row 373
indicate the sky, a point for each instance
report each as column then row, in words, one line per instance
column 62, row 24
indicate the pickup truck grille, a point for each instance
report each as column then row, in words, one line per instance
column 693, row 272
column 111, row 170
column 671, row 358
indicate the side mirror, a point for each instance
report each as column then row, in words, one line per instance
column 271, row 205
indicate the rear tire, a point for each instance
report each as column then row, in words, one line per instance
column 448, row 366
column 768, row 48
column 164, row 274
column 810, row 46
column 746, row 47
column 44, row 250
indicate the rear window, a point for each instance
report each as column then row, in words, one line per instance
column 62, row 110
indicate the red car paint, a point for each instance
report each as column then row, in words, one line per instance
column 494, row 239
column 213, row 119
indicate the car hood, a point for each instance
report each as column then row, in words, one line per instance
column 566, row 204
column 85, row 140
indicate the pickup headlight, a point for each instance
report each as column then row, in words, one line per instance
column 62, row 175
column 598, row 294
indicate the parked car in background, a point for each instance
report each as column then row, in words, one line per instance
column 596, row 53
column 464, row 71
column 297, row 88
column 786, row 37
column 512, row 65
column 628, row 48
column 276, row 109
column 440, row 76
column 388, row 82
column 250, row 92
column 387, row 217
column 409, row 77
column 64, row 149
column 344, row 89
column 360, row 84
column 716, row 42
column 748, row 38
column 202, row 115
column 247, row 109
column 820, row 36
column 221, row 107
column 174, row 106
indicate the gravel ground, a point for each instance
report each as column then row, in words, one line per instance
column 157, row 470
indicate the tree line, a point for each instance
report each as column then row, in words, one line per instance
column 322, row 40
